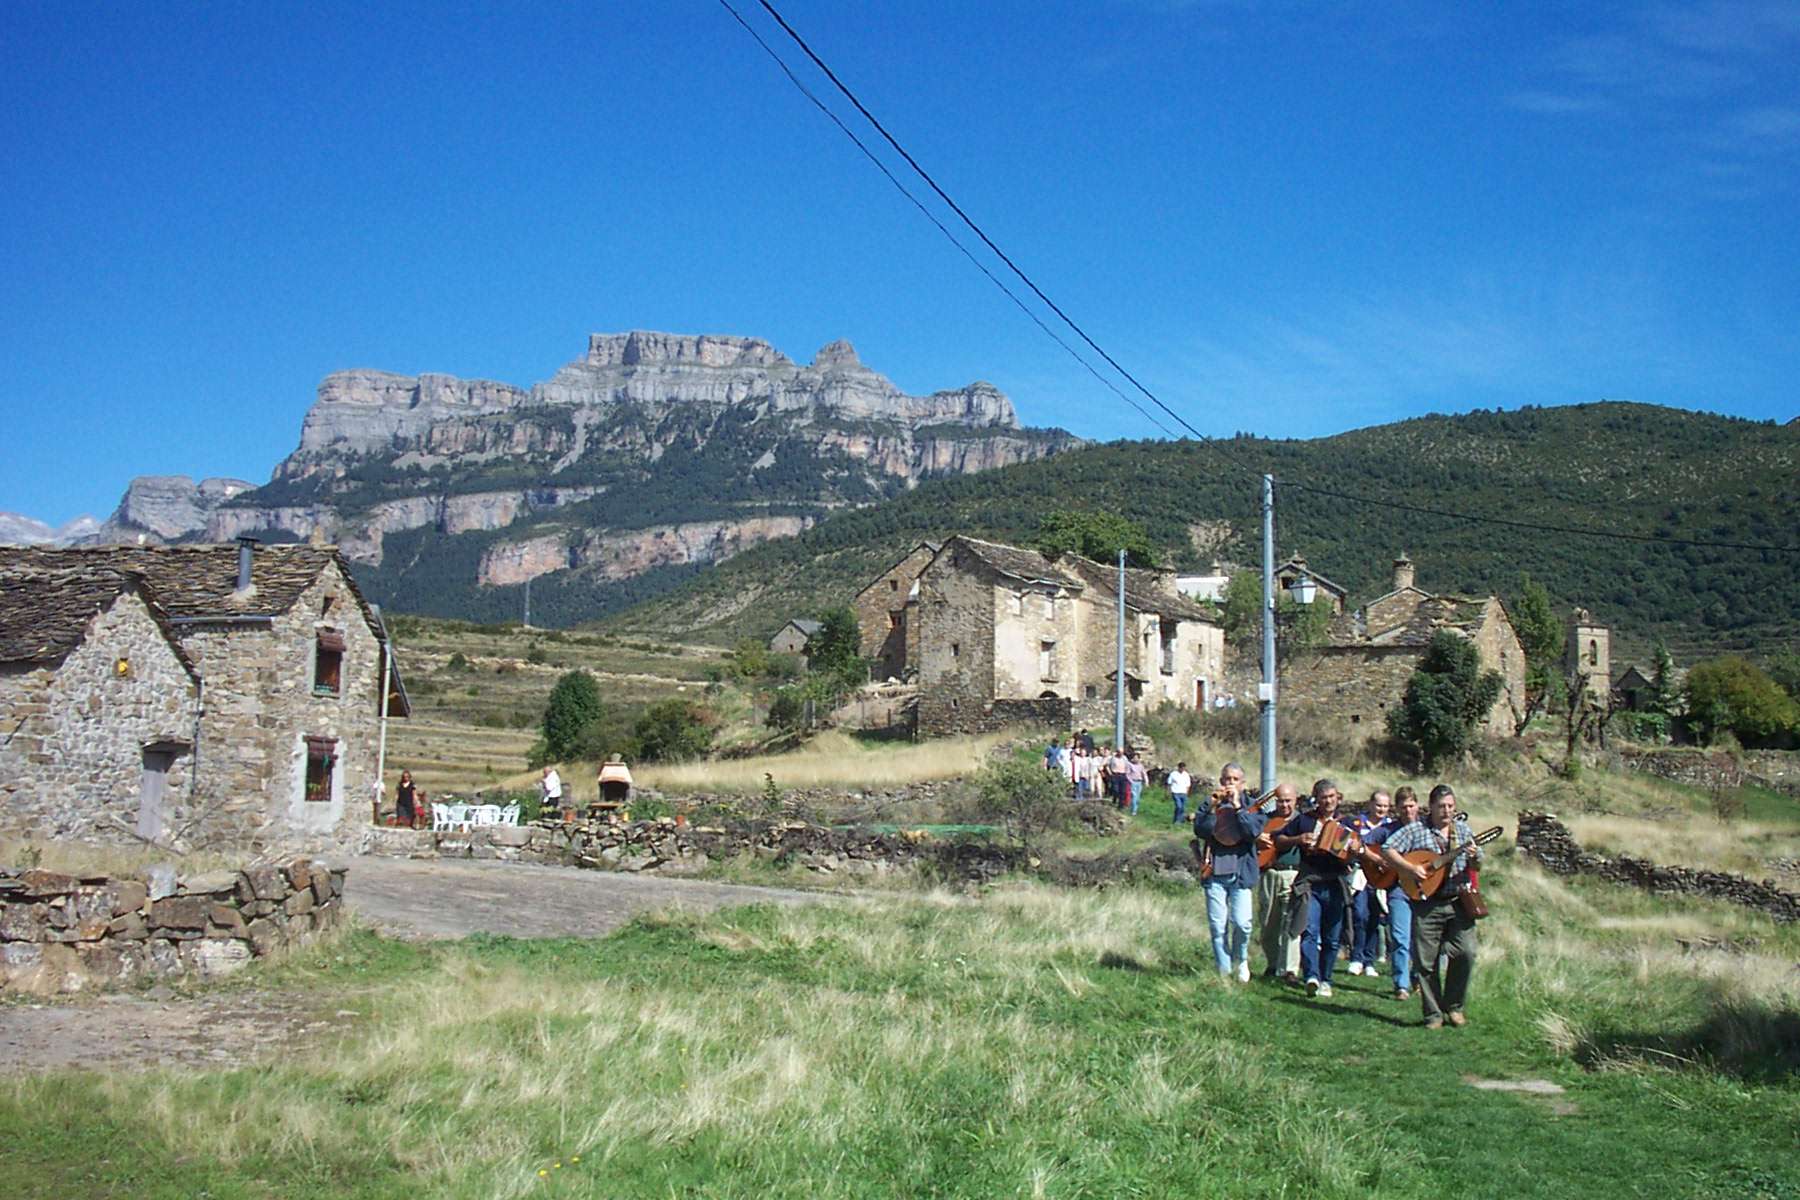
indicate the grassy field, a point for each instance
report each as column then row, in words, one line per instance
column 1037, row 1042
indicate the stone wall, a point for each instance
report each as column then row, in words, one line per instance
column 65, row 933
column 1776, row 770
column 260, row 709
column 72, row 750
column 883, row 619
column 1352, row 686
column 1546, row 840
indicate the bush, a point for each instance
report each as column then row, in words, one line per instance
column 1731, row 694
column 1446, row 698
column 457, row 662
column 1024, row 800
column 673, row 731
column 1646, row 727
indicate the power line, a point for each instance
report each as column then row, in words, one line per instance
column 1204, row 440
column 932, row 217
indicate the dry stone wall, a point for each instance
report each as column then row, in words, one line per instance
column 67, row 933
column 1546, row 840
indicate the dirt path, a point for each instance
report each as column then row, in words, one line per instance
column 434, row 899
column 444, row 898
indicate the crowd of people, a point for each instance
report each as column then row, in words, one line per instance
column 1310, row 882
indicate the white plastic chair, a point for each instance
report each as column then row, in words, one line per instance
column 509, row 815
column 440, row 816
column 459, row 816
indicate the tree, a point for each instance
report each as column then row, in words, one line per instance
column 1664, row 695
column 1732, row 694
column 574, row 704
column 1241, row 608
column 1299, row 626
column 1445, row 700
column 1542, row 635
column 673, row 730
column 836, row 649
column 1096, row 535
column 1784, row 669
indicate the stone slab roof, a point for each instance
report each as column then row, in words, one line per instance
column 45, row 614
column 1144, row 590
column 201, row 581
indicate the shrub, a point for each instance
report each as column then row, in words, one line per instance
column 1731, row 694
column 573, row 703
column 457, row 662
column 1024, row 800
column 1446, row 698
column 673, row 731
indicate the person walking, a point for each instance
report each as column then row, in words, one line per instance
column 1323, row 885
column 1275, row 888
column 1439, row 925
column 1399, row 934
column 1136, row 776
column 551, row 783
column 1368, row 907
column 1179, row 784
column 1227, row 830
column 406, row 806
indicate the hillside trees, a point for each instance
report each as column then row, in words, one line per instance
column 574, row 704
column 1731, row 694
column 1096, row 535
column 836, row 649
column 1445, row 700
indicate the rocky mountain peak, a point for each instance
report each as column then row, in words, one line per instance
column 644, row 348
column 836, row 354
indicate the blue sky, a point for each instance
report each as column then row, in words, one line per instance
column 1288, row 218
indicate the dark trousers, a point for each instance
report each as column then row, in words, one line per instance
column 1439, row 928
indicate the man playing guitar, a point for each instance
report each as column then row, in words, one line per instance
column 1438, row 923
column 1227, row 827
column 1281, row 949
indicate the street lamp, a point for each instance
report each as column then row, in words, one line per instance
column 1304, row 588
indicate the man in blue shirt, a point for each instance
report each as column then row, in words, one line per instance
column 1226, row 830
column 1323, row 888
column 1405, row 812
column 1368, row 910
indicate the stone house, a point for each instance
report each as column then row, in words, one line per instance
column 294, row 673
column 100, row 703
column 1363, row 668
column 1295, row 569
column 1007, row 636
column 1632, row 689
column 792, row 637
column 886, row 615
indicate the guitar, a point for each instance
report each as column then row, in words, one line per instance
column 1437, row 865
column 1377, row 871
column 1265, row 845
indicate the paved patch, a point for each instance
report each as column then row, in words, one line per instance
column 118, row 1031
column 449, row 898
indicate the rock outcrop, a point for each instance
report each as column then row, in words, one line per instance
column 166, row 508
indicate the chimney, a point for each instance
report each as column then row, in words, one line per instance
column 1403, row 572
column 246, row 547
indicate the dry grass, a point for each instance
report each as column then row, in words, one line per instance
column 79, row 858
column 1744, row 847
column 831, row 760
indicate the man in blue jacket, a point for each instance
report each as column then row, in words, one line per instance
column 1225, row 831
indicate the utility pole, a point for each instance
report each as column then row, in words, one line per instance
column 1265, row 695
column 528, row 602
column 1119, row 691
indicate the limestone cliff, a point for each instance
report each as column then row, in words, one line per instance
column 650, row 451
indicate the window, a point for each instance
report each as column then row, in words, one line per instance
column 1047, row 660
column 893, row 585
column 1018, row 604
column 321, row 758
column 955, row 649
column 1594, row 653
column 328, row 664
column 1166, row 630
column 1089, row 692
column 1050, row 606
column 896, row 618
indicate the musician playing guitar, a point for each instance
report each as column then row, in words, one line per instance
column 1227, row 826
column 1438, row 924
column 1368, row 910
column 1321, row 889
column 1405, row 812
column 1281, row 949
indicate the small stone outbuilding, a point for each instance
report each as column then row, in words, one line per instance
column 792, row 637
column 101, row 706
column 1362, row 670
column 294, row 677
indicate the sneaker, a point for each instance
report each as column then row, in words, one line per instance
column 1243, row 972
column 1402, row 994
column 1324, row 991
column 1457, row 1019
column 1373, row 970
column 1356, row 968
column 1312, row 987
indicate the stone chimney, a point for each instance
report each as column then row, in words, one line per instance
column 1403, row 572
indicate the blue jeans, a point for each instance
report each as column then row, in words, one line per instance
column 1137, row 789
column 1228, row 900
column 1324, row 928
column 1369, row 923
column 1180, row 799
column 1400, row 936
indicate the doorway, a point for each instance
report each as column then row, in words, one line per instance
column 153, row 791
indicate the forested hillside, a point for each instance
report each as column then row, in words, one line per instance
column 1617, row 467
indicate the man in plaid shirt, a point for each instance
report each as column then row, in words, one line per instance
column 1438, row 926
